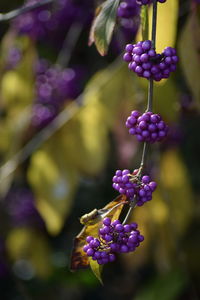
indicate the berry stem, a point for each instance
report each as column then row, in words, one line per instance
column 150, row 87
column 154, row 23
column 69, row 44
column 132, row 205
column 150, row 96
column 144, row 151
column 153, row 40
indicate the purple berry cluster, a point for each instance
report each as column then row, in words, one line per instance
column 13, row 58
column 145, row 62
column 129, row 18
column 113, row 238
column 148, row 127
column 53, row 22
column 21, row 208
column 145, row 2
column 128, row 9
column 53, row 87
column 131, row 185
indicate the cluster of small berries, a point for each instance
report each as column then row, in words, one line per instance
column 13, row 58
column 144, row 2
column 148, row 127
column 113, row 238
column 128, row 14
column 53, row 87
column 145, row 62
column 20, row 207
column 50, row 23
column 128, row 9
column 131, row 185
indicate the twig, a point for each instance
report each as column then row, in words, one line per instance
column 17, row 12
column 69, row 43
column 132, row 205
column 154, row 23
column 153, row 40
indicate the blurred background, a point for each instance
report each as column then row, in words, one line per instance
column 63, row 109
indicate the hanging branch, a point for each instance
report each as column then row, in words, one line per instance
column 149, row 108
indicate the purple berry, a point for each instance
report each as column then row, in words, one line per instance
column 127, row 57
column 90, row 252
column 89, row 239
column 107, row 221
column 145, row 179
column 119, row 228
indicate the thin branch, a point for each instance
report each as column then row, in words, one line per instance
column 70, row 41
column 19, row 11
column 154, row 23
column 132, row 205
column 150, row 96
column 153, row 40
column 43, row 135
column 144, row 151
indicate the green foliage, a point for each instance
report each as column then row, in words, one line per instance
column 144, row 22
column 166, row 287
column 54, row 180
column 103, row 26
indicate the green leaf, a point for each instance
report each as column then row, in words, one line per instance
column 54, row 180
column 96, row 269
column 144, row 22
column 103, row 26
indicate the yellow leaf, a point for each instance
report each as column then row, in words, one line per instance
column 159, row 209
column 188, row 47
column 167, row 18
column 17, row 97
column 21, row 79
column 93, row 221
column 176, row 189
column 166, row 99
column 53, row 180
column 84, row 139
column 29, row 244
column 96, row 269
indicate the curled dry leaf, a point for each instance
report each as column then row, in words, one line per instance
column 92, row 222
